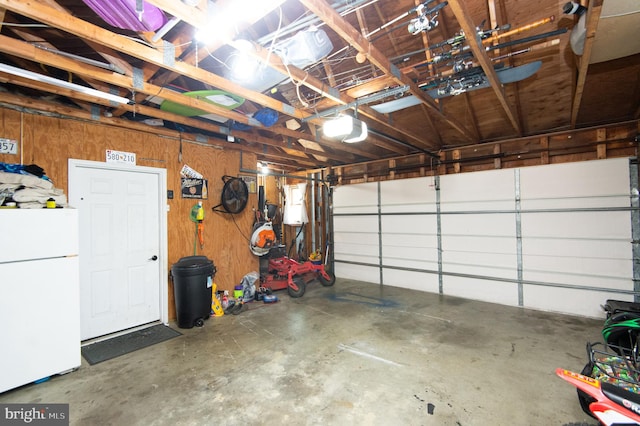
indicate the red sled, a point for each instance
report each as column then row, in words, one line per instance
column 284, row 272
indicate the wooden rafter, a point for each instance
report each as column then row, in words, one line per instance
column 83, row 29
column 302, row 77
column 27, row 51
column 434, row 128
column 354, row 38
column 382, row 18
column 99, row 35
column 196, row 16
column 153, row 112
column 459, row 10
column 593, row 17
column 320, row 87
column 495, row 23
column 196, row 53
column 472, row 115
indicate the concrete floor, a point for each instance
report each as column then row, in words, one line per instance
column 352, row 354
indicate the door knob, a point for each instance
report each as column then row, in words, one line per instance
column 154, row 257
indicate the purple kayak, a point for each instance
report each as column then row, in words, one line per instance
column 123, row 14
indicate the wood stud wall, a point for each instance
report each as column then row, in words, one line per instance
column 50, row 142
column 611, row 141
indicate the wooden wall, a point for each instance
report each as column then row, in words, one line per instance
column 50, row 141
column 585, row 144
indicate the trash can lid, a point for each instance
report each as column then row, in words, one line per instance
column 192, row 261
column 192, row 265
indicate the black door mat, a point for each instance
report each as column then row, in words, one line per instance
column 98, row 352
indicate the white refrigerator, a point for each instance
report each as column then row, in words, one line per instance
column 39, row 295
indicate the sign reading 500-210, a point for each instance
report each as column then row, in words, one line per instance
column 121, row 157
column 8, row 146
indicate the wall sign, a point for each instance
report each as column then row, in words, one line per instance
column 252, row 183
column 121, row 157
column 194, row 188
column 8, row 146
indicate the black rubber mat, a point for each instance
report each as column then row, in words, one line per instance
column 98, row 352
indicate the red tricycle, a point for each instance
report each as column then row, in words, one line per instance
column 284, row 272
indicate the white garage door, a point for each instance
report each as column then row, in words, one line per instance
column 556, row 237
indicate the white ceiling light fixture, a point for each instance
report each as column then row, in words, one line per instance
column 346, row 128
column 223, row 21
column 19, row 72
column 263, row 167
column 243, row 65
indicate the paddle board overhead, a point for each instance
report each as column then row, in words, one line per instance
column 219, row 98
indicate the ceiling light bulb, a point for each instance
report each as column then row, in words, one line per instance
column 244, row 66
column 364, row 132
column 348, row 128
column 337, row 127
column 263, row 167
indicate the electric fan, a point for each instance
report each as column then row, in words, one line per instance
column 234, row 197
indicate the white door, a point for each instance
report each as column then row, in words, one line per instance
column 120, row 245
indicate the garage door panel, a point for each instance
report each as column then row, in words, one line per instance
column 575, row 224
column 571, row 226
column 493, row 188
column 569, row 183
column 411, row 280
column 568, row 301
column 606, row 249
column 356, row 224
column 362, row 198
column 484, row 290
column 409, row 224
column 408, row 195
column 478, row 244
column 357, row 272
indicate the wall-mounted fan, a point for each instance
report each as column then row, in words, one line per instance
column 234, row 197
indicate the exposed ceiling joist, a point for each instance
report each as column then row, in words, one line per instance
column 593, row 17
column 28, row 51
column 304, row 78
column 353, row 37
column 99, row 35
column 562, row 94
column 459, row 10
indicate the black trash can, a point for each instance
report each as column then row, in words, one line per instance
column 192, row 282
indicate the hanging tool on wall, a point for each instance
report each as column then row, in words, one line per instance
column 197, row 216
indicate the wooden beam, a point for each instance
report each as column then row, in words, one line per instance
column 66, row 111
column 601, row 149
column 196, row 16
column 544, row 147
column 158, row 113
column 497, row 162
column 455, row 155
column 317, row 85
column 354, row 38
column 384, row 18
column 472, row 116
column 480, row 55
column 28, row 51
column 101, row 36
column 3, row 14
column 593, row 17
column 329, row 72
column 197, row 53
column 122, row 44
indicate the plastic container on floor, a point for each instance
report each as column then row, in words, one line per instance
column 192, row 283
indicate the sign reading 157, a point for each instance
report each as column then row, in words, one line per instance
column 8, row 146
